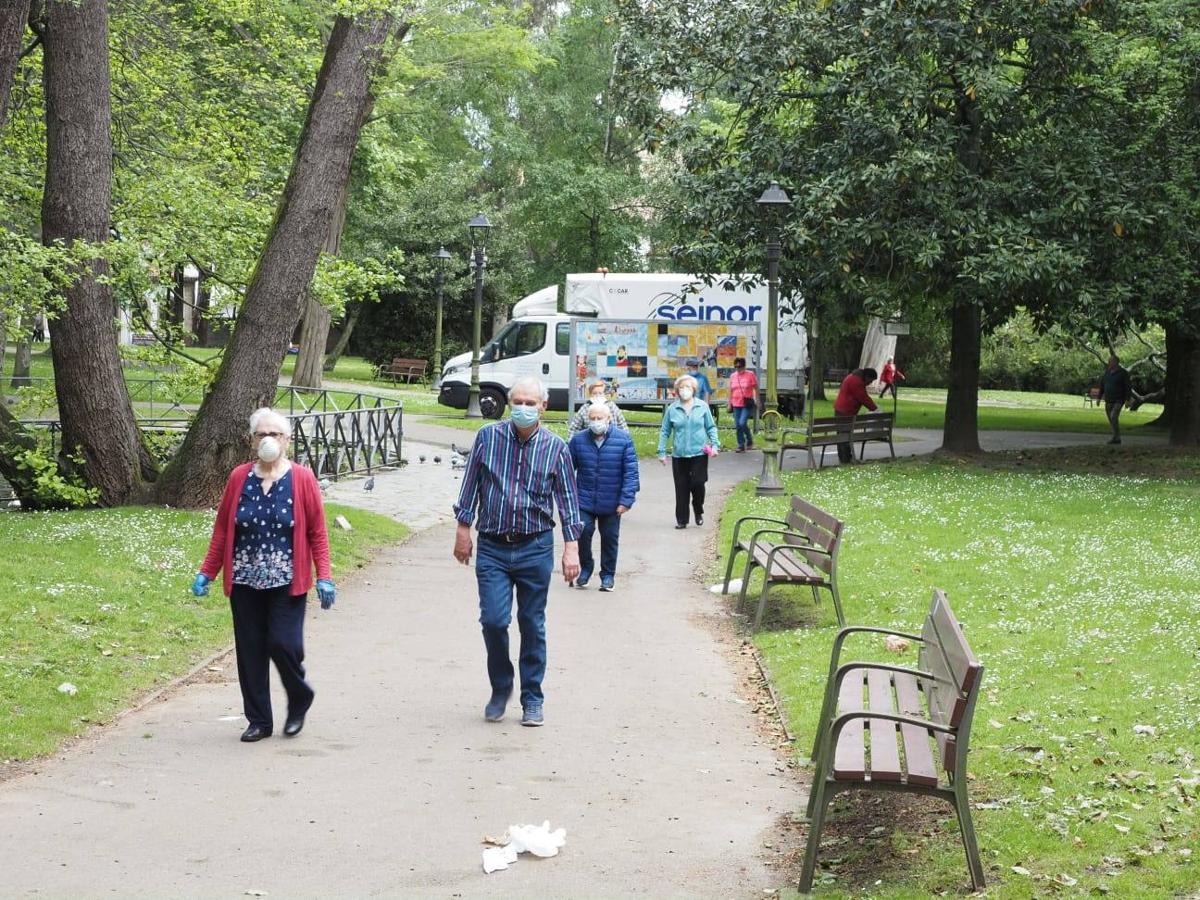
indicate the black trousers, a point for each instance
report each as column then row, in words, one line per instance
column 691, row 474
column 269, row 625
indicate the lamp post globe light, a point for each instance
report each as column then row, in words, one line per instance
column 771, row 205
column 478, row 227
column 440, row 259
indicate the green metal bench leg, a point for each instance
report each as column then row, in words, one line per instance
column 817, row 803
column 729, row 569
column 963, row 807
column 745, row 582
column 762, row 601
column 837, row 606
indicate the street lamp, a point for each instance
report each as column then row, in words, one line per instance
column 478, row 227
column 440, row 259
column 771, row 204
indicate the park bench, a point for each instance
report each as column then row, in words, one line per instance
column 408, row 369
column 1091, row 396
column 829, row 431
column 910, row 733
column 835, row 376
column 801, row 549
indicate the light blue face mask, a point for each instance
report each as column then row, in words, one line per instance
column 524, row 416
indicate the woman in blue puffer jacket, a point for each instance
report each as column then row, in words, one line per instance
column 606, row 471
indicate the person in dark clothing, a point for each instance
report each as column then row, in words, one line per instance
column 1115, row 391
column 852, row 396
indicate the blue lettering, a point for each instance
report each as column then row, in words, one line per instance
column 666, row 312
column 714, row 312
column 754, row 311
column 736, row 314
column 686, row 312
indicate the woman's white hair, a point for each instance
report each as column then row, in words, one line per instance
column 687, row 380
column 266, row 413
column 531, row 383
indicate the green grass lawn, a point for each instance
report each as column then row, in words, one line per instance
column 101, row 599
column 1076, row 577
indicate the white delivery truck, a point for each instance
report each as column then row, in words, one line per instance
column 537, row 340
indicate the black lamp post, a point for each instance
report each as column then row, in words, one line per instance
column 478, row 227
column 440, row 259
column 771, row 204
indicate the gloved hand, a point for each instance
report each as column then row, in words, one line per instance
column 326, row 592
column 200, row 585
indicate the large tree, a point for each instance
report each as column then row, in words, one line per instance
column 250, row 367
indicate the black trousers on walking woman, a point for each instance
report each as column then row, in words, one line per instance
column 691, row 474
column 269, row 625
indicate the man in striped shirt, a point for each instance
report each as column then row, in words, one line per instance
column 516, row 472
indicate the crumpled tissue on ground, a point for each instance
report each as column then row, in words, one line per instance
column 536, row 839
column 735, row 585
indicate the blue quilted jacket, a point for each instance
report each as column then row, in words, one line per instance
column 607, row 475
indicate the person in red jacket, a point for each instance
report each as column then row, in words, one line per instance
column 888, row 378
column 269, row 536
column 852, row 396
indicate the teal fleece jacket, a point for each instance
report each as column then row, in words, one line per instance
column 688, row 430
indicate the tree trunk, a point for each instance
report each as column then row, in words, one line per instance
column 816, row 368
column 353, row 311
column 960, row 432
column 22, row 358
column 250, row 367
column 314, row 326
column 98, row 425
column 1183, row 394
column 13, row 440
column 13, row 14
column 1176, row 351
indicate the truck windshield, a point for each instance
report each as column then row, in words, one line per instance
column 518, row 339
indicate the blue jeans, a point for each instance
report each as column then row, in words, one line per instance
column 741, row 418
column 610, row 539
column 499, row 569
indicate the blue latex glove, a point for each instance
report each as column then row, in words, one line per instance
column 327, row 592
column 200, row 585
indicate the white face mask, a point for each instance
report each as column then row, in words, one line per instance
column 599, row 426
column 685, row 394
column 269, row 449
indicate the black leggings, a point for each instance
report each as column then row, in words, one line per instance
column 269, row 626
column 691, row 473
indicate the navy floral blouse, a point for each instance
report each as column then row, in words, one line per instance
column 262, row 549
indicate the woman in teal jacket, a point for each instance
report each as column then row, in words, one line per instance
column 688, row 424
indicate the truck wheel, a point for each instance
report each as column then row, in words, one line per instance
column 491, row 403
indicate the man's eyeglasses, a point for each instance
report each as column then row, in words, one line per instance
column 272, row 434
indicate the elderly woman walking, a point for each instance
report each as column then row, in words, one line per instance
column 597, row 392
column 689, row 426
column 268, row 537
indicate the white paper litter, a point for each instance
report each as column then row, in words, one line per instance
column 67, row 688
column 536, row 839
column 1149, row 730
column 896, row 644
column 735, row 585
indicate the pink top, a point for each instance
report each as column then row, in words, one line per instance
column 310, row 541
column 743, row 386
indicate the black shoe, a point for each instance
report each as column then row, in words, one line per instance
column 293, row 725
column 681, row 525
column 699, row 519
column 255, row 733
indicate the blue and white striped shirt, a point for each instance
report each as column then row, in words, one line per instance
column 514, row 482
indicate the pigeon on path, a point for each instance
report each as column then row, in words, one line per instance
column 421, row 457
column 369, row 484
column 437, row 459
column 324, row 483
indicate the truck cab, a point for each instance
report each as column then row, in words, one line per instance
column 532, row 345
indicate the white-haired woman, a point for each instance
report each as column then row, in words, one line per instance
column 689, row 426
column 268, row 538
column 597, row 393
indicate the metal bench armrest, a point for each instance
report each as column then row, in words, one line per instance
column 844, row 633
column 783, row 532
column 737, row 526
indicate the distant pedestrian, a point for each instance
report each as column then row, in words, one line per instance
column 852, row 396
column 39, row 329
column 703, row 388
column 597, row 394
column 606, row 472
column 889, row 376
column 689, row 427
column 1115, row 391
column 743, row 402
column 268, row 537
column 516, row 473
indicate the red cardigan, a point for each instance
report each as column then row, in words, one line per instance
column 310, row 541
column 852, row 395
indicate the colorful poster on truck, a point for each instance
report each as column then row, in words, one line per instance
column 640, row 359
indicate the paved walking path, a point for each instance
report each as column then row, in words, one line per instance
column 651, row 757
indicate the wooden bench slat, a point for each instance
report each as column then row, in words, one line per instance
column 918, row 754
column 885, row 753
column 850, row 756
column 961, row 662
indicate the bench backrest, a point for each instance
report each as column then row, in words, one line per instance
column 814, row 527
column 956, row 672
column 399, row 363
column 872, row 426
